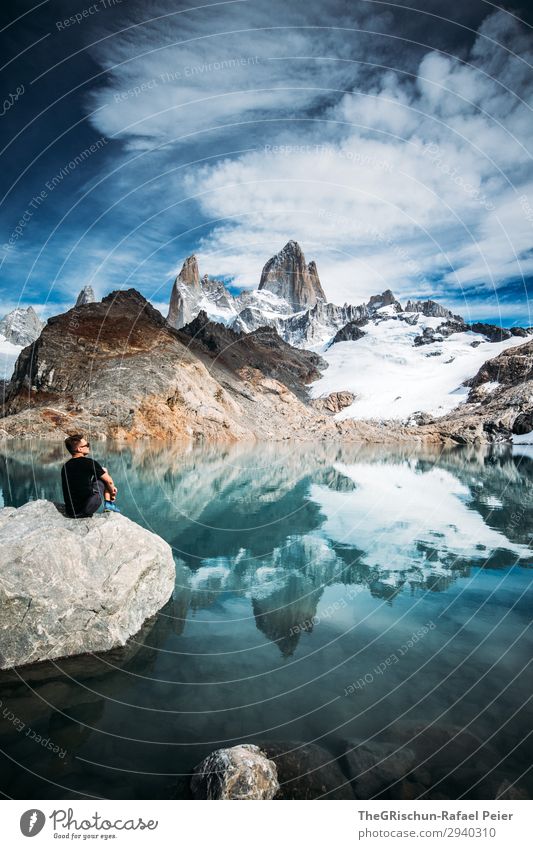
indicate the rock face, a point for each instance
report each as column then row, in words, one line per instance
column 430, row 335
column 71, row 586
column 312, row 327
column 335, row 401
column 117, row 369
column 186, row 293
column 386, row 299
column 351, row 332
column 492, row 332
column 21, row 326
column 86, row 296
column 511, row 367
column 291, row 300
column 263, row 348
column 242, row 772
column 287, row 275
column 431, row 309
column 189, row 274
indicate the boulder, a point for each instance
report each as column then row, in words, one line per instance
column 441, row 748
column 523, row 423
column 241, row 772
column 72, row 586
column 372, row 767
column 335, row 401
column 307, row 771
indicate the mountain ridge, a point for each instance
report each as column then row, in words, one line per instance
column 378, row 370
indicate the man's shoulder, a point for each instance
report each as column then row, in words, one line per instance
column 82, row 462
column 78, row 462
column 96, row 465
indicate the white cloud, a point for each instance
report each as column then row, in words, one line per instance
column 440, row 194
column 387, row 179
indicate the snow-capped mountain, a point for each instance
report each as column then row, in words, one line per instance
column 397, row 362
column 289, row 299
column 407, row 363
column 21, row 326
column 18, row 328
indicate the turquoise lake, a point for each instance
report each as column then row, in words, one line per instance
column 325, row 596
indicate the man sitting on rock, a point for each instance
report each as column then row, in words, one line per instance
column 86, row 484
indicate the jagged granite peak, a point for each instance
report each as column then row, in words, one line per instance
column 431, row 309
column 186, row 293
column 386, row 299
column 288, row 276
column 189, row 273
column 277, row 303
column 21, row 326
column 86, row 296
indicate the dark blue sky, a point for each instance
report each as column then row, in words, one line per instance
column 393, row 144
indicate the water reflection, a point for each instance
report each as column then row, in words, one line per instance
column 276, row 526
column 299, row 568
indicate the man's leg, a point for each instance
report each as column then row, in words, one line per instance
column 96, row 499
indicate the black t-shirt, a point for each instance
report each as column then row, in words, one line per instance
column 77, row 478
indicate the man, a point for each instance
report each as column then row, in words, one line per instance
column 85, row 482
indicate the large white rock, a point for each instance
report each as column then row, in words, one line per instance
column 70, row 586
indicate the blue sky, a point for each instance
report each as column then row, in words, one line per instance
column 394, row 144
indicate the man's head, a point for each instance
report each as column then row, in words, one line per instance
column 77, row 444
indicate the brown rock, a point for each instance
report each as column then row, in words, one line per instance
column 335, row 401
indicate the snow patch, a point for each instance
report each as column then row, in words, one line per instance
column 8, row 357
column 523, row 438
column 392, row 378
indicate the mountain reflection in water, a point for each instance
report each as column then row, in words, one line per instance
column 299, row 568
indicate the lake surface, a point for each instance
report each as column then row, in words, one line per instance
column 328, row 600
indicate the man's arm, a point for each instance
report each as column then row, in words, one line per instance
column 108, row 482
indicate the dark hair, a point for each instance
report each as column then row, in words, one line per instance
column 72, row 442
